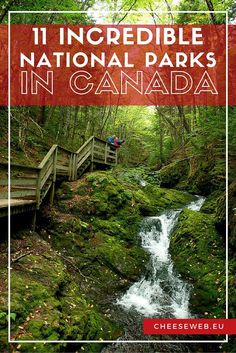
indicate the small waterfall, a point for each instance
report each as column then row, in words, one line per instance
column 161, row 293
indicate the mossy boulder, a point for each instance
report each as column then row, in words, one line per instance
column 47, row 302
column 198, row 253
column 140, row 176
column 200, row 177
column 105, row 194
column 107, row 202
column 211, row 203
column 220, row 215
column 171, row 174
column 103, row 251
column 126, row 262
column 197, row 175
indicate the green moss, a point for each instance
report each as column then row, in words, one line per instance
column 83, row 189
column 49, row 305
column 111, row 195
column 173, row 173
column 163, row 198
column 3, row 319
column 39, row 347
column 211, row 203
column 198, row 253
column 232, row 220
column 26, row 294
column 70, row 235
column 197, row 175
column 4, row 345
column 128, row 263
column 136, row 176
column 110, row 227
column 82, row 320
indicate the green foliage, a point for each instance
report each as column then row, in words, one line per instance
column 201, row 5
column 2, row 314
column 13, row 316
column 46, row 5
column 3, row 319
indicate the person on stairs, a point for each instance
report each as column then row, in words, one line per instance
column 111, row 139
column 118, row 143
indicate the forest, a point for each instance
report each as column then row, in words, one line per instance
column 141, row 235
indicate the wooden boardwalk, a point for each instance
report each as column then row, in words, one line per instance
column 30, row 185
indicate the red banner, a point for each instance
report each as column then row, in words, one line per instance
column 189, row 326
column 118, row 65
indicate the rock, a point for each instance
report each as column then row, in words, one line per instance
column 211, row 203
column 173, row 173
column 196, row 175
column 199, row 256
column 48, row 304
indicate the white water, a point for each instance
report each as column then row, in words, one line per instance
column 161, row 292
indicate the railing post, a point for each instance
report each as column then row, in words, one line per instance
column 71, row 167
column 116, row 155
column 75, row 165
column 92, row 154
column 54, row 176
column 38, row 199
column 106, row 147
column 38, row 190
column 34, row 219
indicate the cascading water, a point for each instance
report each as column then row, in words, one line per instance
column 161, row 293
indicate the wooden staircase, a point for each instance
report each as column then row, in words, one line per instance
column 27, row 187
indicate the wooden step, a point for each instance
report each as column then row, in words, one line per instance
column 18, row 187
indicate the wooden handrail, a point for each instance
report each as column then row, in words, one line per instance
column 64, row 149
column 21, row 166
column 85, row 144
column 98, row 139
column 48, row 155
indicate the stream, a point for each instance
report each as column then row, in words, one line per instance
column 161, row 292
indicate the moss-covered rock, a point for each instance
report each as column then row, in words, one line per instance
column 211, row 203
column 105, row 194
column 199, row 175
column 198, row 253
column 47, row 302
column 171, row 174
column 101, row 252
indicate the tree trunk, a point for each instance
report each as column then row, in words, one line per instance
column 6, row 9
column 211, row 8
column 42, row 116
